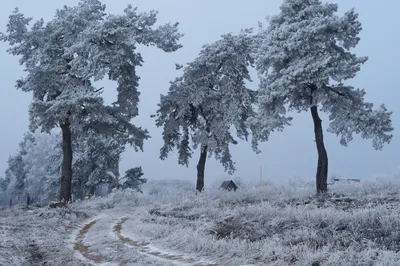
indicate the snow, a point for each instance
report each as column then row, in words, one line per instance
column 302, row 58
column 36, row 235
column 355, row 224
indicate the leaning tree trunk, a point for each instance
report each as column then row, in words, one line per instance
column 200, row 169
column 66, row 169
column 322, row 169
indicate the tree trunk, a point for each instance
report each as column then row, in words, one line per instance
column 200, row 169
column 82, row 189
column 92, row 190
column 117, row 174
column 66, row 169
column 322, row 169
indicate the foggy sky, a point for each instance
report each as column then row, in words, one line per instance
column 288, row 154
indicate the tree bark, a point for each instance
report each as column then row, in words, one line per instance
column 200, row 169
column 66, row 169
column 322, row 168
column 117, row 174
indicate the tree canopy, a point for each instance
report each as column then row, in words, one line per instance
column 304, row 57
column 65, row 56
column 209, row 101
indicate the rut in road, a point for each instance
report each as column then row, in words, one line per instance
column 84, row 250
column 144, row 248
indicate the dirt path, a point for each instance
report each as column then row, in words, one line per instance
column 84, row 250
column 121, row 252
column 144, row 247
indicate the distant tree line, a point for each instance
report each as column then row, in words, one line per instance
column 33, row 174
column 302, row 56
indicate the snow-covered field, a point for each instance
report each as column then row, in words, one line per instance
column 356, row 224
column 37, row 236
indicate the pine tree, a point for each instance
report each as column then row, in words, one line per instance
column 79, row 45
column 95, row 157
column 208, row 103
column 304, row 58
column 133, row 179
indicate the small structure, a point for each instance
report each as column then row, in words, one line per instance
column 228, row 185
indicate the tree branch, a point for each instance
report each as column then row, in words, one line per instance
column 334, row 90
column 221, row 64
column 99, row 89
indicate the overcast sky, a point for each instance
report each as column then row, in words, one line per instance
column 290, row 154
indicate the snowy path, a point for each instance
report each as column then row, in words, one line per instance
column 101, row 242
column 83, row 249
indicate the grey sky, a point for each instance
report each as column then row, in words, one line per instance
column 288, row 154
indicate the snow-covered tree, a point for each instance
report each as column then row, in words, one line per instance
column 208, row 102
column 133, row 180
column 63, row 57
column 4, row 196
column 4, row 184
column 96, row 162
column 304, row 58
column 34, row 171
column 16, row 173
column 42, row 161
column 95, row 158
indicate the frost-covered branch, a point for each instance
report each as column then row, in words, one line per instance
column 82, row 44
column 209, row 100
column 303, row 59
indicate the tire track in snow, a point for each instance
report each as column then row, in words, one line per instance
column 144, row 247
column 83, row 249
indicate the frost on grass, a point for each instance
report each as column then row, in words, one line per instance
column 33, row 236
column 353, row 225
column 288, row 225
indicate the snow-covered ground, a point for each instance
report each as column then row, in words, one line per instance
column 356, row 224
column 37, row 236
